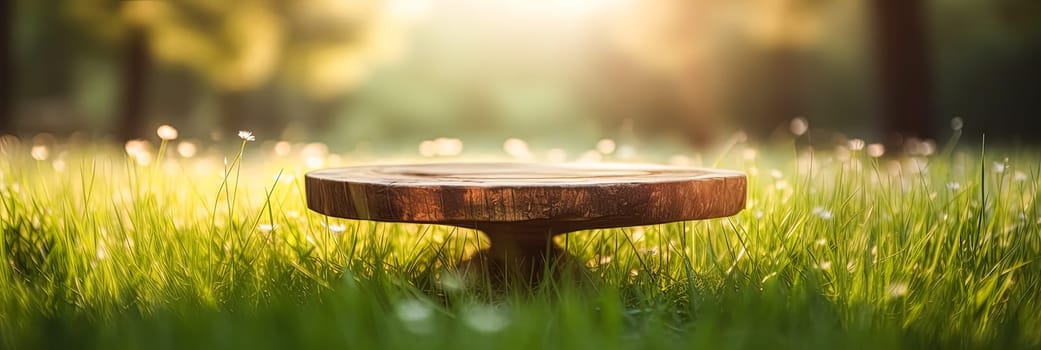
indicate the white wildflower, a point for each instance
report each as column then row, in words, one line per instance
column 876, row 150
column 448, row 146
column 516, row 148
column 603, row 260
column 954, row 186
column 897, row 289
column 625, row 151
column 187, row 149
column 283, row 148
column 822, row 213
column 40, row 152
column 637, row 234
column 679, row 159
column 999, row 167
column 590, row 156
column 825, row 265
column 855, row 144
column 556, row 155
column 1020, row 176
column 798, row 126
column 166, row 132
column 428, row 148
column 247, row 135
column 749, row 153
column 605, row 146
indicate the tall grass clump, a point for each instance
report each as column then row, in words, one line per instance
column 840, row 246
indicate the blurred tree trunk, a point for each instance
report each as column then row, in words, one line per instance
column 325, row 112
column 903, row 67
column 6, row 67
column 698, row 119
column 136, row 65
column 233, row 112
column 788, row 80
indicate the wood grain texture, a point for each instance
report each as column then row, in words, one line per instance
column 526, row 199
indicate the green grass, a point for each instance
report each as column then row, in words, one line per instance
column 833, row 251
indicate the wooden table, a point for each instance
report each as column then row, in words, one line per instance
column 521, row 206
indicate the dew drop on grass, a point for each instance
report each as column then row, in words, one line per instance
column 768, row 276
column 452, row 281
column 415, row 315
column 485, row 318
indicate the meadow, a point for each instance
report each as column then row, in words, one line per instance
column 169, row 244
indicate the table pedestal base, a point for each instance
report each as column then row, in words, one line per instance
column 523, row 256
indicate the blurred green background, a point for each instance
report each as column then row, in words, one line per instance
column 552, row 72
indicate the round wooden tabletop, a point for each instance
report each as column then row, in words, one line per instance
column 557, row 198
